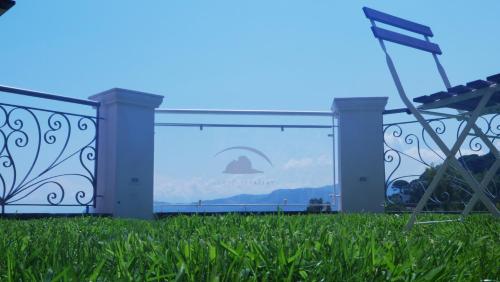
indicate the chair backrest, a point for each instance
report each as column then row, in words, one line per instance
column 384, row 34
column 402, row 39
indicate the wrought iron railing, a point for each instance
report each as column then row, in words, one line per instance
column 47, row 157
column 410, row 154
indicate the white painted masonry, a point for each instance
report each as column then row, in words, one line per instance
column 126, row 153
column 361, row 153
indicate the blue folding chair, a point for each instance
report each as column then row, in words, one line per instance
column 476, row 98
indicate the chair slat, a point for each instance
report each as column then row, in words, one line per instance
column 478, row 84
column 471, row 104
column 496, row 97
column 467, row 105
column 423, row 99
column 5, row 5
column 441, row 95
column 460, row 89
column 406, row 40
column 397, row 22
column 495, row 78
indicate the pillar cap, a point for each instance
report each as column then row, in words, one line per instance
column 359, row 104
column 120, row 95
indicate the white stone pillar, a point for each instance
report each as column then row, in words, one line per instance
column 126, row 153
column 361, row 153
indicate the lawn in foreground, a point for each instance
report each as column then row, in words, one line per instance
column 239, row 248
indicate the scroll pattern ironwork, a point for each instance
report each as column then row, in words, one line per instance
column 47, row 158
column 408, row 143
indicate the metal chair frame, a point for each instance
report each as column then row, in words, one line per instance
column 470, row 117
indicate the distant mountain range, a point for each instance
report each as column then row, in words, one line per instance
column 294, row 198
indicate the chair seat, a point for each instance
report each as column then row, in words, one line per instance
column 495, row 78
column 478, row 84
column 465, row 98
column 471, row 104
column 468, row 103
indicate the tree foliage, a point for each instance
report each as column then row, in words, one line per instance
column 316, row 205
column 453, row 192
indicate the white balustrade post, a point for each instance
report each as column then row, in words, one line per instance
column 126, row 153
column 361, row 153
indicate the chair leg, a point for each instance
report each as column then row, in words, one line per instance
column 428, row 192
column 486, row 179
column 478, row 188
column 489, row 175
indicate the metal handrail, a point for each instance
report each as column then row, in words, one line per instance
column 414, row 121
column 243, row 205
column 396, row 111
column 202, row 125
column 49, row 111
column 261, row 112
column 243, row 112
column 42, row 95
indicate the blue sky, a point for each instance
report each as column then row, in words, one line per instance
column 231, row 54
column 295, row 55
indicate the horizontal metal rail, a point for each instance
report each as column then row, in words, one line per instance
column 414, row 121
column 243, row 205
column 439, row 221
column 203, row 125
column 50, row 205
column 242, row 112
column 261, row 112
column 435, row 212
column 42, row 95
column 48, row 111
column 396, row 111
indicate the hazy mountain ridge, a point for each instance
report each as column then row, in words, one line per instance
column 276, row 197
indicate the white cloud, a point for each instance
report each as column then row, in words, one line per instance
column 432, row 157
column 391, row 140
column 298, row 163
column 427, row 155
column 182, row 190
column 322, row 160
column 315, row 171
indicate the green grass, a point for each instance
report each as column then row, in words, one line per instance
column 240, row 248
